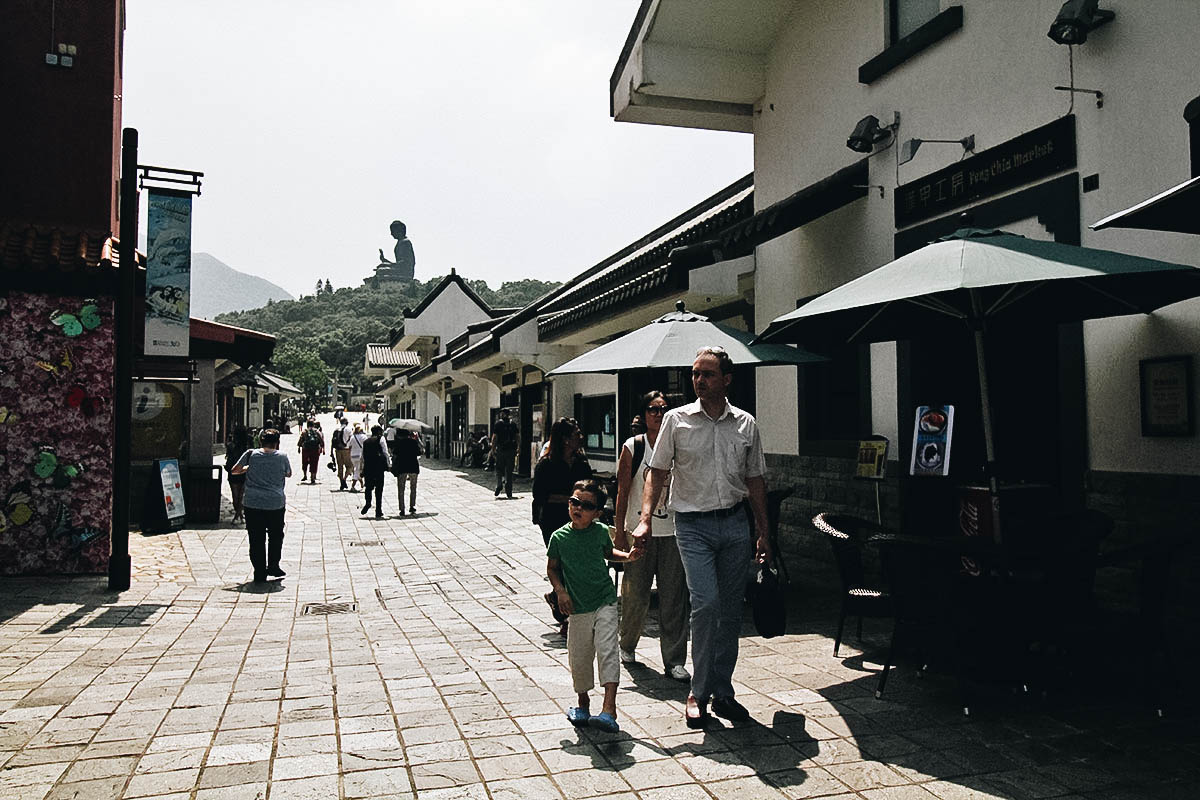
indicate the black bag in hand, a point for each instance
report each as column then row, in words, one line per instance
column 768, row 600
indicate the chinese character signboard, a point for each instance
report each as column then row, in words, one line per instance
column 168, row 272
column 1036, row 154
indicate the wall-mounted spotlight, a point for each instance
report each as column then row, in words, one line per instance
column 908, row 150
column 1076, row 19
column 868, row 133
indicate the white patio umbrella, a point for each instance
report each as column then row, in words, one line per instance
column 672, row 341
column 409, row 424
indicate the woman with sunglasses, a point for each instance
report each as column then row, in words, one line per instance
column 661, row 558
column 555, row 476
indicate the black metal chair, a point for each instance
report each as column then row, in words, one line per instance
column 919, row 574
column 860, row 599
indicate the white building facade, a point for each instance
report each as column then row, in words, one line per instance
column 1045, row 162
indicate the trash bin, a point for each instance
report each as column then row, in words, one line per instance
column 202, row 494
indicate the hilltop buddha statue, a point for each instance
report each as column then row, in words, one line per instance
column 405, row 264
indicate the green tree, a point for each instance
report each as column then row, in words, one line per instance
column 304, row 367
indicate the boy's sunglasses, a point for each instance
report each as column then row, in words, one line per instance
column 585, row 505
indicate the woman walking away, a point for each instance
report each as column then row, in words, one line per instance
column 356, row 446
column 661, row 559
column 237, row 444
column 375, row 462
column 555, row 476
column 266, row 470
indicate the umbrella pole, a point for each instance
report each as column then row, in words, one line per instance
column 985, row 397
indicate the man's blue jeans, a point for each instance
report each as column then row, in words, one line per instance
column 716, row 561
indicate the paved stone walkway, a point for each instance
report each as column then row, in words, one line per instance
column 444, row 677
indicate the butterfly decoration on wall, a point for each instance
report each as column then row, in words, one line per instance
column 73, row 536
column 72, row 325
column 18, row 507
column 48, row 465
column 77, row 397
column 57, row 368
column 8, row 416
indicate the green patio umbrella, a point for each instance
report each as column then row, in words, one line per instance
column 672, row 341
column 1177, row 209
column 964, row 281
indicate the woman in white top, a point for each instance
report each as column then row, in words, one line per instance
column 661, row 559
column 356, row 457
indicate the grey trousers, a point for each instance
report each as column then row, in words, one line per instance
column 411, row 478
column 716, row 557
column 662, row 560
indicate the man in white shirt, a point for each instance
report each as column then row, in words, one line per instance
column 712, row 453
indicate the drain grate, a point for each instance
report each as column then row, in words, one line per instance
column 366, row 544
column 314, row 609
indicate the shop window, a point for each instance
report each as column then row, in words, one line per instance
column 912, row 26
column 597, row 419
column 833, row 399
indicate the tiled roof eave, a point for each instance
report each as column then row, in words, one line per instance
column 648, row 286
column 737, row 213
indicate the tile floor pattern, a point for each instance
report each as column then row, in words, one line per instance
column 449, row 681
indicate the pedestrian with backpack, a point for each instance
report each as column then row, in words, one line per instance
column 311, row 448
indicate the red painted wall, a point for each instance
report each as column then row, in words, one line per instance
column 61, row 145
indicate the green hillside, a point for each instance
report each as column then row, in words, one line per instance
column 327, row 332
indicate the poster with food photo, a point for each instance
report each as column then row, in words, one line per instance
column 934, row 428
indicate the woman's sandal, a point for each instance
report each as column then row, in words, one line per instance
column 578, row 716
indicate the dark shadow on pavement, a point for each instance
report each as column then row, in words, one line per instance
column 250, row 587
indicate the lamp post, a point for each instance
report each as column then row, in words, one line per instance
column 119, row 565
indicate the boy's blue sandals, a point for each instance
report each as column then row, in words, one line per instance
column 578, row 716
column 605, row 722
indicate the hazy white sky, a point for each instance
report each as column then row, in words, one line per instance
column 482, row 125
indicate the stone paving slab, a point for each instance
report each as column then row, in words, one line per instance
column 448, row 679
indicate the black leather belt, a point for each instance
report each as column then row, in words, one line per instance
column 718, row 513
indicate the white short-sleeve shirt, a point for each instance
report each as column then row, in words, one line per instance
column 709, row 459
column 663, row 519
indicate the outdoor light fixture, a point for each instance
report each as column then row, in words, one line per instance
column 868, row 133
column 1075, row 19
column 908, row 149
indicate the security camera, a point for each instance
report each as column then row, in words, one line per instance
column 867, row 134
column 1076, row 18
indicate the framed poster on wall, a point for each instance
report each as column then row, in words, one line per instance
column 1166, row 396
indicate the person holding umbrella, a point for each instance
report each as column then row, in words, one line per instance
column 406, row 454
column 712, row 453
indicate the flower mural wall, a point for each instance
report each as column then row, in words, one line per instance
column 56, row 433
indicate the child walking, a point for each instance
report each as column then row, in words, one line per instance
column 576, row 565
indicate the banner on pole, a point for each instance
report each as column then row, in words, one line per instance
column 168, row 272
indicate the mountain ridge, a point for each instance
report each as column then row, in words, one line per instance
column 218, row 288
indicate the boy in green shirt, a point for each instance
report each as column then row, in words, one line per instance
column 576, row 563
